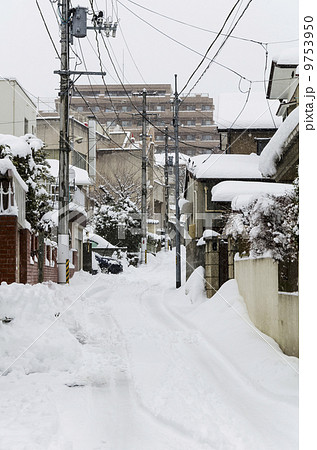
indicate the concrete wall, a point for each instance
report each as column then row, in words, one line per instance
column 273, row 313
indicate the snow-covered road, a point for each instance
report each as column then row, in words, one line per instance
column 134, row 364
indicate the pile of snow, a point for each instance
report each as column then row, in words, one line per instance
column 256, row 113
column 128, row 362
column 274, row 150
column 225, row 166
column 21, row 146
column 207, row 234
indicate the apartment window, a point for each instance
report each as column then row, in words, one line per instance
column 80, row 108
column 127, row 123
column 206, row 107
column 206, row 122
column 189, row 137
column 126, row 108
column 206, row 137
column 95, row 108
column 190, row 123
column 190, row 108
column 159, row 137
column 26, row 125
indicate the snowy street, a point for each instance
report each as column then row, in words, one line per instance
column 127, row 362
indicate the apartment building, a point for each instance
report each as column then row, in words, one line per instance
column 122, row 104
column 17, row 109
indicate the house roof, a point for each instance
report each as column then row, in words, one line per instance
column 238, row 111
column 284, row 75
column 223, row 166
column 274, row 150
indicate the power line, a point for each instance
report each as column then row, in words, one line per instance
column 205, row 29
column 47, row 29
column 220, row 48
column 178, row 42
column 211, row 45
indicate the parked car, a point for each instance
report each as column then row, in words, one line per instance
column 108, row 265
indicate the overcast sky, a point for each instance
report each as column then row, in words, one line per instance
column 28, row 54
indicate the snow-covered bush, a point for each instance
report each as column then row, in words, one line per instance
column 268, row 224
column 27, row 155
column 119, row 222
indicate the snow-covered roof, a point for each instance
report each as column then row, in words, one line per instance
column 288, row 57
column 273, row 151
column 257, row 112
column 81, row 175
column 226, row 191
column 225, row 166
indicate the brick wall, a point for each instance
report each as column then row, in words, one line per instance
column 243, row 142
column 19, row 253
column 8, row 249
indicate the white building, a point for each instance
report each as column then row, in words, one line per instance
column 17, row 110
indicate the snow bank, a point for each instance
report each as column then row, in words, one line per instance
column 128, row 361
column 273, row 151
column 225, row 166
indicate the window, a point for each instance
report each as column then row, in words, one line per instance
column 190, row 122
column 80, row 108
column 190, row 108
column 26, row 126
column 160, row 137
column 206, row 137
column 126, row 108
column 260, row 144
column 126, row 123
column 206, row 122
column 206, row 107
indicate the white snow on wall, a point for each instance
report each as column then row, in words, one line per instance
column 225, row 166
column 273, row 151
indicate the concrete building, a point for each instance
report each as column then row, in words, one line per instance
column 119, row 105
column 17, row 109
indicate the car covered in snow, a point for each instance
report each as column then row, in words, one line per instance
column 108, row 265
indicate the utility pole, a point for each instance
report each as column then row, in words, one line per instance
column 178, row 246
column 144, row 190
column 64, row 149
column 166, row 190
